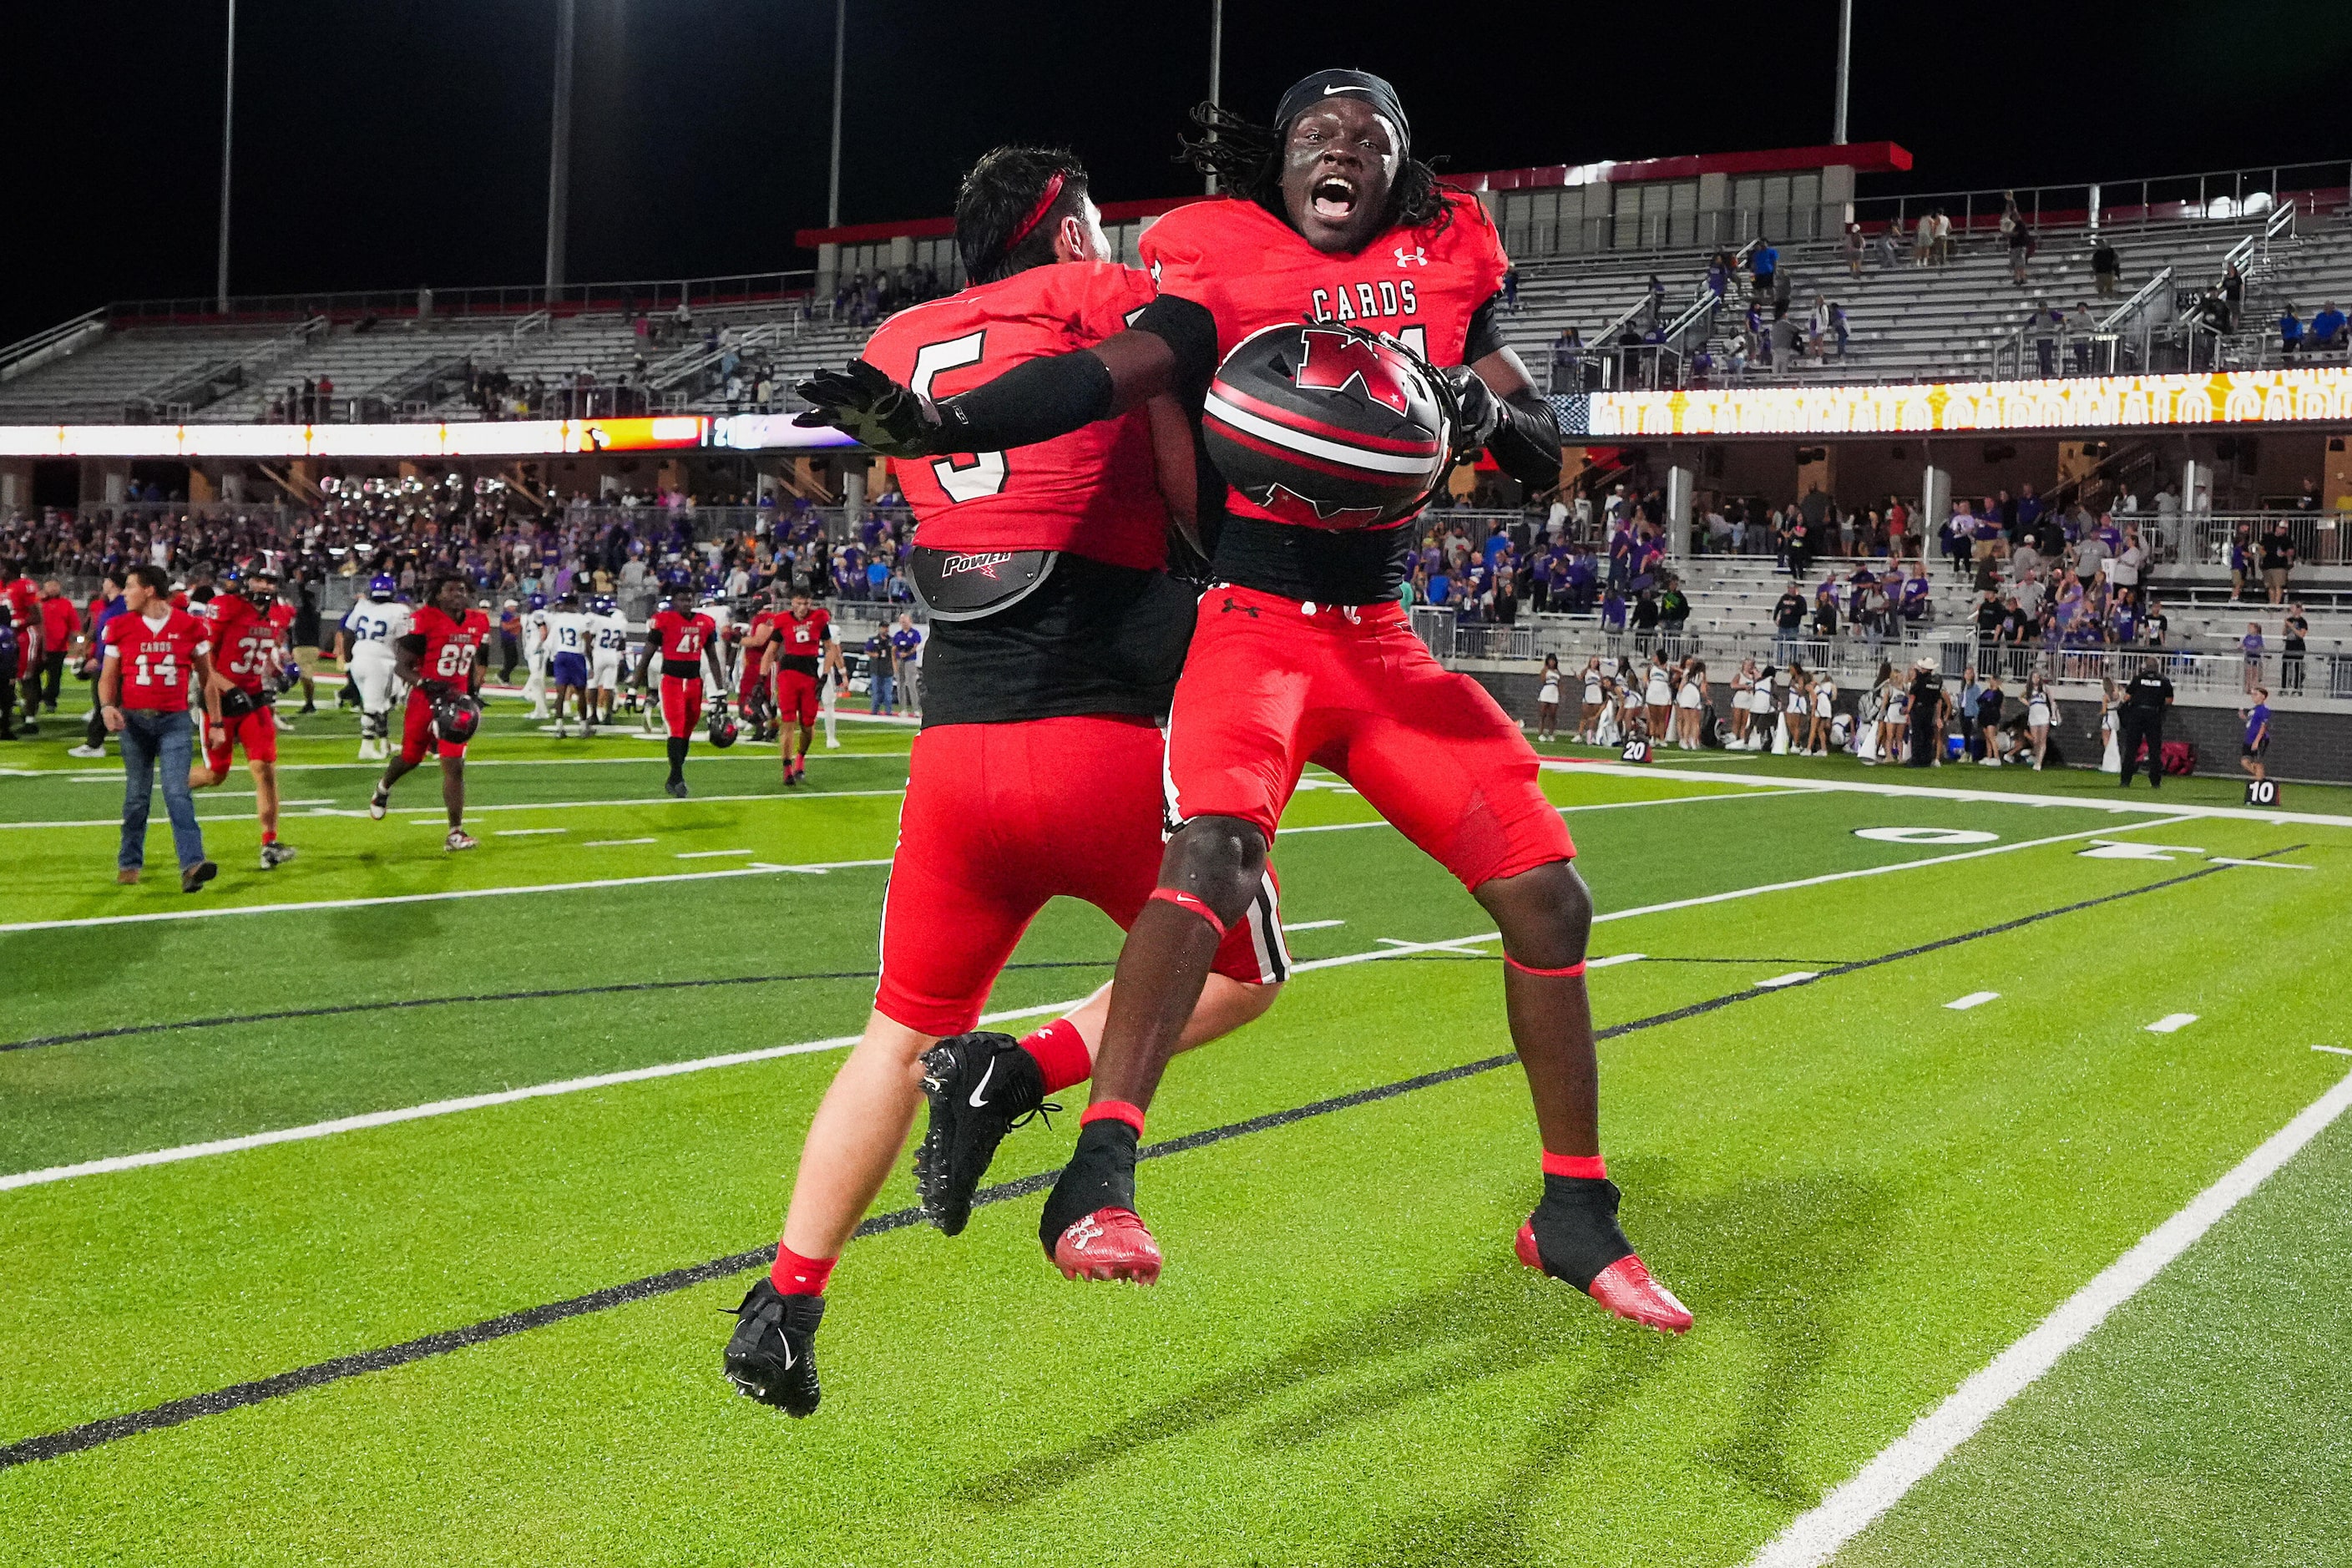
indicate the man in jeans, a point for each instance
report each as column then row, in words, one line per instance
column 151, row 650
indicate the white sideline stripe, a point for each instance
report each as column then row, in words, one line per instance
column 1564, row 810
column 1934, row 792
column 528, row 832
column 2336, row 1050
column 609, row 842
column 1592, row 964
column 1973, row 999
column 712, row 853
column 760, row 754
column 424, row 814
column 218, row 913
column 1815, row 1536
column 1791, row 978
column 575, row 1085
column 1311, row 925
column 2266, row 864
column 2171, row 1023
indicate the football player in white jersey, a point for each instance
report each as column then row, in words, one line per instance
column 364, row 647
column 608, row 636
column 534, row 652
column 567, row 662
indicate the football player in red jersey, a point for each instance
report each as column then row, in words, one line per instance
column 1303, row 652
column 246, row 653
column 751, row 683
column 440, row 663
column 800, row 652
column 1056, row 635
column 684, row 638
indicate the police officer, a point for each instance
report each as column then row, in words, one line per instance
column 1930, row 712
column 2146, row 697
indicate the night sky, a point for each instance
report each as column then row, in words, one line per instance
column 384, row 145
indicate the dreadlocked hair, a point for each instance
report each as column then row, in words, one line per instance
column 1003, row 189
column 1246, row 158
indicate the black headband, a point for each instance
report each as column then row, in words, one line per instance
column 1374, row 91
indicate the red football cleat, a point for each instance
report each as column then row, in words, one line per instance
column 1624, row 1288
column 1108, row 1243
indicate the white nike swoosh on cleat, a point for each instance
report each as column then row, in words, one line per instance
column 982, row 1084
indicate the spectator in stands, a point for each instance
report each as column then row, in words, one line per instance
column 2290, row 328
column 1788, row 621
column 2079, row 327
column 1761, row 268
column 1853, row 248
column 2326, row 327
column 2278, row 560
column 2251, row 648
column 2020, row 252
column 2106, row 268
column 1718, row 275
column 1567, row 362
column 2258, row 732
column 2045, row 325
column 2294, row 634
column 1918, row 597
column 1923, row 245
column 1947, row 249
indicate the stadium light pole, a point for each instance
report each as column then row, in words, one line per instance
column 228, row 120
column 1844, row 69
column 558, row 150
column 832, row 181
column 1216, row 67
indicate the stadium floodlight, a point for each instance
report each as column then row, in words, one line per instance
column 559, row 150
column 1845, row 70
column 1216, row 68
column 833, row 187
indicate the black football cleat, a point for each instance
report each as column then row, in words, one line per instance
column 981, row 1087
column 772, row 1356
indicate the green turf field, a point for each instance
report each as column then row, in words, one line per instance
column 1863, row 1194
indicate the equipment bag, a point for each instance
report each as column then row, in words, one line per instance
column 2180, row 757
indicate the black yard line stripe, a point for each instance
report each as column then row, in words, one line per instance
column 488, row 997
column 113, row 1428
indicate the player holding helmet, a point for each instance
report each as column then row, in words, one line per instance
column 684, row 637
column 1302, row 650
column 246, row 655
column 801, row 652
column 365, row 646
column 440, row 662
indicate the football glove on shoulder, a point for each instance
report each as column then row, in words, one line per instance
column 863, row 402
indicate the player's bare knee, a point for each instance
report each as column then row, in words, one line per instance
column 1221, row 860
column 1545, row 914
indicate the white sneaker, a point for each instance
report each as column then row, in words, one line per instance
column 85, row 750
column 1989, row 762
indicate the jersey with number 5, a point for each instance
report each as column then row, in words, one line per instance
column 1095, row 491
column 451, row 646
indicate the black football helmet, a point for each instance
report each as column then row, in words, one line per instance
column 456, row 716
column 722, row 727
column 1330, row 426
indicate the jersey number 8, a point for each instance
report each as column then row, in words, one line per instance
column 984, row 474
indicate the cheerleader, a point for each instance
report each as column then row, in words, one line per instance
column 2039, row 713
column 1548, row 698
column 1743, row 686
column 1605, row 732
column 1588, row 722
column 1824, row 710
column 1689, row 703
column 1631, row 724
column 2111, row 760
column 1658, row 693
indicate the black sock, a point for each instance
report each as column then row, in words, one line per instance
column 676, row 758
column 1575, row 1228
column 1100, row 1174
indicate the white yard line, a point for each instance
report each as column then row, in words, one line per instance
column 2172, row 1023
column 1816, row 1536
column 2265, row 865
column 2334, row 1050
column 222, row 911
column 612, row 843
column 528, row 832
column 1934, row 792
column 1794, row 977
column 1311, row 925
column 434, row 815
column 1973, row 999
column 576, row 1085
column 712, row 853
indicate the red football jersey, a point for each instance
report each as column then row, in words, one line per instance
column 156, row 660
column 450, row 647
column 1250, row 270
column 1095, row 491
column 281, row 620
column 804, row 637
column 682, row 637
column 246, row 641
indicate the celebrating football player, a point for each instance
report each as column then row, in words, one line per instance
column 684, row 637
column 1303, row 652
column 440, row 662
column 247, row 658
column 1056, row 636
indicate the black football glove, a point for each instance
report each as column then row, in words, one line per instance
column 1478, row 413
column 878, row 411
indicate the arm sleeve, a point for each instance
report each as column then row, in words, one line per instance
column 1036, row 401
column 1527, row 445
column 1485, row 337
column 415, row 643
column 1190, row 333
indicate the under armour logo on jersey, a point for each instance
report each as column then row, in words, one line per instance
column 1155, row 272
column 1417, row 257
column 1249, row 610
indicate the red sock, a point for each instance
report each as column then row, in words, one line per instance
column 796, row 1276
column 1591, row 1167
column 1060, row 1053
column 270, row 836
